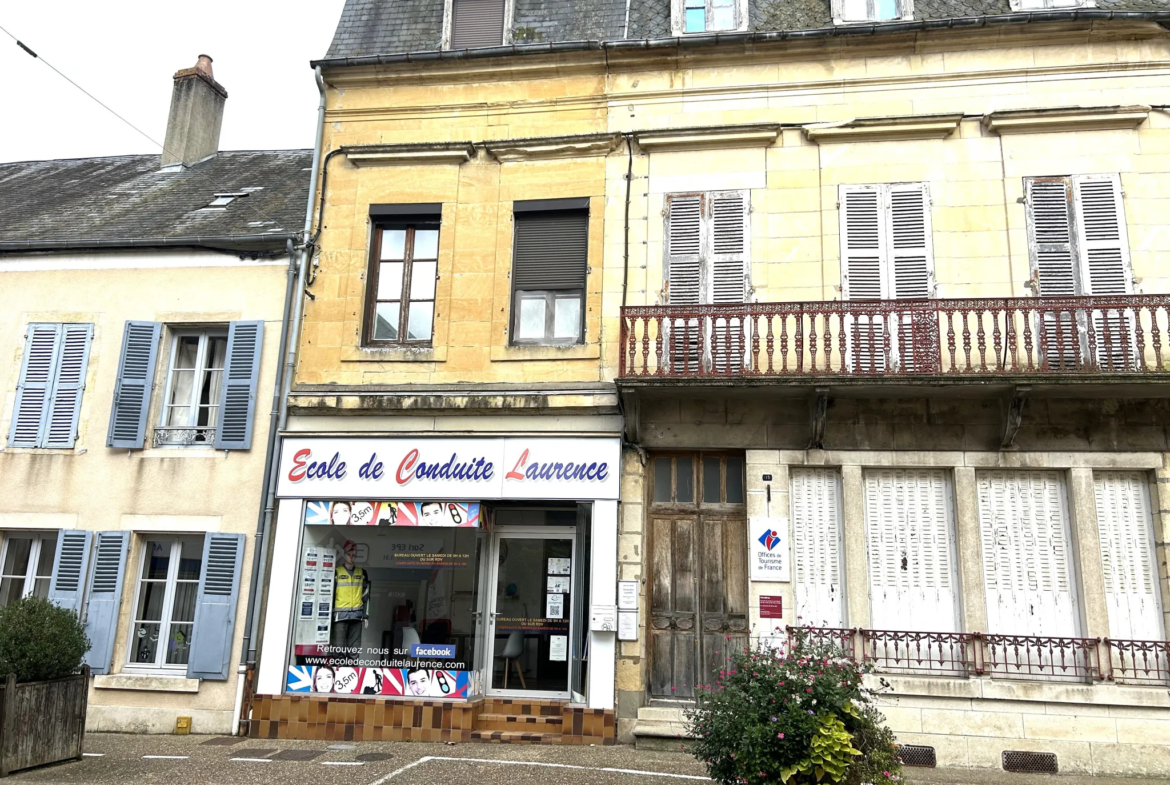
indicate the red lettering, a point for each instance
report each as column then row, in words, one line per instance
column 297, row 472
column 406, row 466
column 515, row 474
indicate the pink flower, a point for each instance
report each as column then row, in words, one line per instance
column 779, row 735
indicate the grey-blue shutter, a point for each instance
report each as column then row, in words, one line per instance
column 105, row 598
column 132, row 389
column 60, row 430
column 34, row 388
column 70, row 563
column 237, row 397
column 215, row 607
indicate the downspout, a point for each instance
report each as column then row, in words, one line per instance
column 626, row 247
column 290, row 334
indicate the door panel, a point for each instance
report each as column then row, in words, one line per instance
column 673, row 606
column 723, row 567
column 816, row 525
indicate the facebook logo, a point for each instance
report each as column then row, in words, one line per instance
column 433, row 651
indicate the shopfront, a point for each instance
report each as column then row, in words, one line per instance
column 458, row 571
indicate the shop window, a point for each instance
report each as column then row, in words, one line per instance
column 549, row 268
column 400, row 293
column 27, row 566
column 190, row 410
column 164, row 611
column 705, row 479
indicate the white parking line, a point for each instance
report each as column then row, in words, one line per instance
column 342, row 763
column 253, row 760
column 428, row 758
column 165, row 757
column 93, row 754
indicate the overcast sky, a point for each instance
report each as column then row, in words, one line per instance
column 125, row 53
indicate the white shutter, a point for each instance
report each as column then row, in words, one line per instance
column 816, row 527
column 684, row 221
column 1049, row 201
column 1023, row 522
column 728, row 273
column 911, row 245
column 864, row 250
column 911, row 551
column 1127, row 556
column 1105, row 265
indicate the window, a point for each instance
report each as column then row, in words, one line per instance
column 26, row 566
column 703, row 16
column 549, row 261
column 401, row 290
column 477, row 23
column 706, row 479
column 849, row 11
column 52, row 380
column 1041, row 5
column 190, row 410
column 164, row 613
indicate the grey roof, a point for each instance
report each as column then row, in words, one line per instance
column 388, row 30
column 127, row 201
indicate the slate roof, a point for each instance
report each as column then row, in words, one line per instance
column 127, row 201
column 370, row 29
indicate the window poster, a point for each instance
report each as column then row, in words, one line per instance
column 391, row 513
column 558, row 584
column 558, row 648
column 555, row 606
column 559, row 566
column 405, row 682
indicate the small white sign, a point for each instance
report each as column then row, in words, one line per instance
column 627, row 625
column 603, row 618
column 559, row 566
column 555, row 607
column 768, row 538
column 557, row 585
column 558, row 648
column 627, row 595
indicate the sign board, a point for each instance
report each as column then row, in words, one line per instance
column 771, row 606
column 603, row 618
column 627, row 625
column 627, row 595
column 770, row 554
column 421, row 468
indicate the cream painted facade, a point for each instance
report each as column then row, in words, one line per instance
column 151, row 493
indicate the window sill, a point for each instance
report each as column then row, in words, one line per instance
column 178, row 452
column 577, row 351
column 394, row 354
column 145, row 683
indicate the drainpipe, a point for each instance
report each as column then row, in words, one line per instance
column 289, row 335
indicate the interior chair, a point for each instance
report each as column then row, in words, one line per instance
column 513, row 648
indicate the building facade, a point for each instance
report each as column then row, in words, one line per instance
column 141, row 345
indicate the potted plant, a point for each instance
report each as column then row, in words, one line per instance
column 797, row 716
column 43, row 697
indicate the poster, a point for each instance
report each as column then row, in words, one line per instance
column 627, row 595
column 559, row 566
column 558, row 648
column 406, row 682
column 768, row 538
column 391, row 513
column 555, row 606
column 627, row 625
column 557, row 585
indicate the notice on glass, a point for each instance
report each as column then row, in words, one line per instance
column 555, row 608
column 558, row 648
column 558, row 585
column 558, row 566
column 627, row 625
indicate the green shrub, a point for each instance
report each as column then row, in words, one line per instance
column 799, row 716
column 40, row 641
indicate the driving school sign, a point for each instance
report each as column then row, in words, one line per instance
column 501, row 468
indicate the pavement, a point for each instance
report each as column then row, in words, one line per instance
column 199, row 760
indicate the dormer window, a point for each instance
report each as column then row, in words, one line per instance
column 476, row 24
column 708, row 16
column 1044, row 5
column 860, row 11
column 223, row 200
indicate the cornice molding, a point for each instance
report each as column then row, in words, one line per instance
column 410, row 154
column 1077, row 118
column 762, row 135
column 884, row 129
column 554, row 147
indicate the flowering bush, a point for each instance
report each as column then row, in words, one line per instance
column 797, row 716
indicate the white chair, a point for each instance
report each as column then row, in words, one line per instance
column 513, row 648
column 409, row 636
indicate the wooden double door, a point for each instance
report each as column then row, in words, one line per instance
column 698, row 554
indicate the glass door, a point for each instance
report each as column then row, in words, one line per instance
column 531, row 613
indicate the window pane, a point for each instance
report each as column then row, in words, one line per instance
column 390, row 281
column 156, row 561
column 855, row 10
column 186, row 352
column 426, row 244
column 179, row 644
column 216, row 351
column 531, row 318
column 11, row 590
column 734, row 467
column 386, row 322
column 696, row 21
column 723, row 18
column 41, row 588
column 145, row 643
column 48, row 553
column 151, row 595
column 685, row 480
column 182, row 383
column 191, row 558
column 419, row 320
column 886, row 9
column 179, row 415
column 16, row 559
column 662, row 479
column 393, row 243
column 711, row 481
column 184, row 609
column 422, row 280
column 567, row 319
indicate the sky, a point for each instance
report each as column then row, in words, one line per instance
column 126, row 51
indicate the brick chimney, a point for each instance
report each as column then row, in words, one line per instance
column 196, row 115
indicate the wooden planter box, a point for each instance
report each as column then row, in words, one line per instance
column 42, row 721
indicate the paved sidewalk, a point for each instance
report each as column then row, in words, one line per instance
column 204, row 760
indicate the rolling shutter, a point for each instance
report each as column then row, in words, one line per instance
column 237, row 399
column 1127, row 556
column 1105, row 264
column 477, row 23
column 816, row 527
column 70, row 564
column 133, row 386
column 911, row 563
column 105, row 598
column 69, row 383
column 34, row 389
column 551, row 250
column 1023, row 523
column 215, row 608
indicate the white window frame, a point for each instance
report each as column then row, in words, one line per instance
column 166, row 618
column 448, row 6
column 1046, row 5
column 678, row 18
column 905, row 13
column 163, row 427
column 39, row 538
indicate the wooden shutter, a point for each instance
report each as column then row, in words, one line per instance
column 864, row 245
column 911, row 246
column 911, row 553
column 34, row 388
column 68, row 384
column 684, row 222
column 728, row 259
column 1054, row 265
column 105, row 598
column 237, row 398
column 477, row 23
column 674, row 544
column 215, row 608
column 816, row 527
column 134, row 383
column 1024, row 530
column 1105, row 265
column 70, row 565
column 1127, row 556
column 551, row 250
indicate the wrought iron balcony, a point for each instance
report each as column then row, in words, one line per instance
column 172, row 436
column 1015, row 338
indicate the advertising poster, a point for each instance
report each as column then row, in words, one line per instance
column 404, row 682
column 388, row 513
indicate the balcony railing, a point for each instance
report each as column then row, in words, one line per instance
column 1139, row 662
column 171, row 436
column 934, row 653
column 1036, row 657
column 1021, row 336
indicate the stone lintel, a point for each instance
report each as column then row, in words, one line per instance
column 553, row 147
column 709, row 138
column 410, row 154
column 1076, row 118
column 879, row 129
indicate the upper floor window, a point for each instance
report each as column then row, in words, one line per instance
column 707, row 247
column 851, row 11
column 476, row 23
column 190, row 410
column 708, row 16
column 400, row 309
column 1042, row 5
column 549, row 262
column 52, row 380
column 26, row 566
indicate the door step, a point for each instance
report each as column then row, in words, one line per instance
column 515, row 737
column 526, row 723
